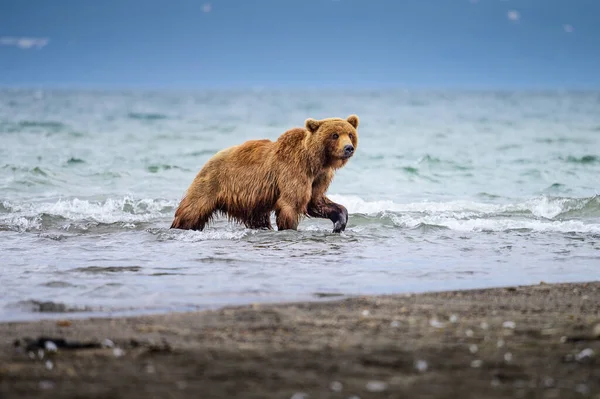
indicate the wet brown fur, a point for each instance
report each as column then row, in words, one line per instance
column 289, row 176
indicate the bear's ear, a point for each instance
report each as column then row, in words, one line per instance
column 353, row 120
column 312, row 125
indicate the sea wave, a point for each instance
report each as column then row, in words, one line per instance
column 75, row 212
column 540, row 214
column 584, row 160
column 545, row 207
column 494, row 225
column 32, row 175
column 544, row 213
column 147, row 116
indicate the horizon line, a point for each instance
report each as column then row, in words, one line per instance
column 298, row 87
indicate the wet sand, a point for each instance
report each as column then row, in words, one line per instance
column 539, row 341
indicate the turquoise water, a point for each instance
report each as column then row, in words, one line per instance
column 447, row 190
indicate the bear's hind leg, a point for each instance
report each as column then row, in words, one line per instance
column 287, row 218
column 193, row 214
column 260, row 222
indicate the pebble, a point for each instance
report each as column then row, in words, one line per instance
column 365, row 313
column 336, row 386
column 395, row 324
column 376, row 386
column 421, row 365
column 453, row 318
column 435, row 323
column 484, row 325
column 476, row 363
column 585, row 354
column 508, row 356
column 107, row 343
column 299, row 395
column 50, row 346
column 118, row 352
column 469, row 333
column 548, row 382
column 40, row 353
column 509, row 324
column 473, row 348
column 596, row 331
column 500, row 343
column 49, row 365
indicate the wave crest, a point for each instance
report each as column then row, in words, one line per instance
column 81, row 213
column 542, row 214
column 543, row 206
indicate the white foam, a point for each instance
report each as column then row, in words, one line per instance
column 206, row 235
column 22, row 223
column 536, row 214
column 545, row 207
column 356, row 204
column 27, row 216
column 504, row 224
column 110, row 211
column 549, row 208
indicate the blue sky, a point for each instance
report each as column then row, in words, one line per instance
column 282, row 43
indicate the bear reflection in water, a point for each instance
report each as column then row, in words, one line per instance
column 289, row 176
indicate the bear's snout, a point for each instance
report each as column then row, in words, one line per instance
column 348, row 151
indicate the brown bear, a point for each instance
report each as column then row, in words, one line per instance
column 289, row 176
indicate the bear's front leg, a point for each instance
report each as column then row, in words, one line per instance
column 325, row 208
column 341, row 218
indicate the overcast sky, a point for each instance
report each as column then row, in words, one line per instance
column 278, row 43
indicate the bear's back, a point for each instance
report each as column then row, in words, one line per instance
column 251, row 152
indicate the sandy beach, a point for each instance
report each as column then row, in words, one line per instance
column 539, row 341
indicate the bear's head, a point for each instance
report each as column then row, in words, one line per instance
column 338, row 138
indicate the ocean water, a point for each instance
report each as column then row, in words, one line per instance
column 447, row 190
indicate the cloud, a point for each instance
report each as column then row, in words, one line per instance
column 207, row 7
column 513, row 15
column 24, row 42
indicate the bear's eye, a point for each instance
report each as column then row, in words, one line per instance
column 335, row 136
column 351, row 136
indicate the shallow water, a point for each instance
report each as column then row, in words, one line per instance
column 447, row 190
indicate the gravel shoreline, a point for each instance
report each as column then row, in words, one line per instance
column 539, row 341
